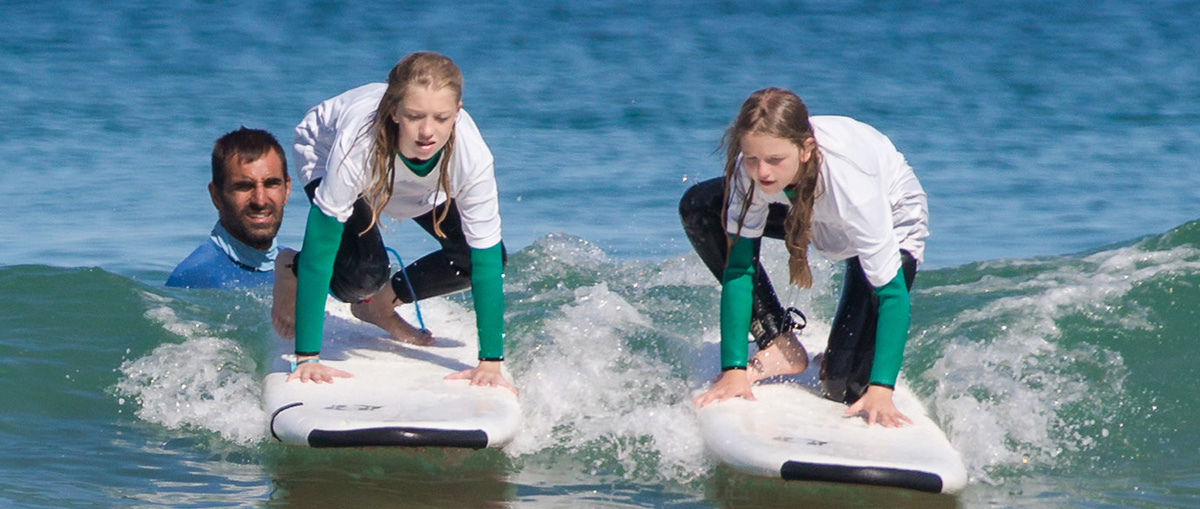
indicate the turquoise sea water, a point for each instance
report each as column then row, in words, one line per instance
column 1053, row 320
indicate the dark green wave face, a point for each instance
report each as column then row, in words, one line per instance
column 1042, row 371
column 1065, row 366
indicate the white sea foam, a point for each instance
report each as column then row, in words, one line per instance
column 585, row 389
column 685, row 270
column 203, row 382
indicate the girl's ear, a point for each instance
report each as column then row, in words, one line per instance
column 807, row 149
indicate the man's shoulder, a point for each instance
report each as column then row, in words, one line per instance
column 195, row 265
column 209, row 267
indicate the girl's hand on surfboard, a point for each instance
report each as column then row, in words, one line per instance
column 877, row 404
column 317, row 372
column 486, row 374
column 731, row 384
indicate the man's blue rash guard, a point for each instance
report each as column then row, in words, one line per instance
column 225, row 262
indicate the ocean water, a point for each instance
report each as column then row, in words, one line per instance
column 1053, row 321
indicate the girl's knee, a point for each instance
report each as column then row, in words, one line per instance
column 360, row 282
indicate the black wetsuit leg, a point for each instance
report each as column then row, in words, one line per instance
column 361, row 266
column 447, row 270
column 846, row 368
column 700, row 212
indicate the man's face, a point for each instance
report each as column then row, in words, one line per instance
column 251, row 200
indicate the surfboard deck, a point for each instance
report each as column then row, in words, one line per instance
column 793, row 433
column 398, row 395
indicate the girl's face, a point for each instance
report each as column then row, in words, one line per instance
column 426, row 118
column 772, row 161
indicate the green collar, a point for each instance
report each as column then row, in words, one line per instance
column 790, row 192
column 421, row 168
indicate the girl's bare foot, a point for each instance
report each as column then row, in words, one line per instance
column 784, row 356
column 283, row 295
column 381, row 312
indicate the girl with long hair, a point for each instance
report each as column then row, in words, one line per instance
column 406, row 149
column 841, row 186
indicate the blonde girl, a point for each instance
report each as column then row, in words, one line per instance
column 406, row 149
column 841, row 186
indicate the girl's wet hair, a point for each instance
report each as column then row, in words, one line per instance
column 782, row 114
column 424, row 70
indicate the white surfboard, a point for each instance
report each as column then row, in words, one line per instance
column 793, row 433
column 398, row 395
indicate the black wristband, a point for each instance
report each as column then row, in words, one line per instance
column 885, row 386
column 743, row 368
column 307, row 354
column 492, row 359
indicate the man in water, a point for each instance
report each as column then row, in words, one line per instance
column 249, row 188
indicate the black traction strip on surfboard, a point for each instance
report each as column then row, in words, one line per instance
column 892, row 477
column 399, row 437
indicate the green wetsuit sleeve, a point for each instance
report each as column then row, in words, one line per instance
column 487, row 292
column 322, row 236
column 737, row 298
column 891, row 331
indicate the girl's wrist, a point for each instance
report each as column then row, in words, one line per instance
column 304, row 360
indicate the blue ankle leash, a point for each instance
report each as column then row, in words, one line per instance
column 408, row 282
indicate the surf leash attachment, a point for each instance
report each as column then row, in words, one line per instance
column 413, row 293
column 797, row 324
